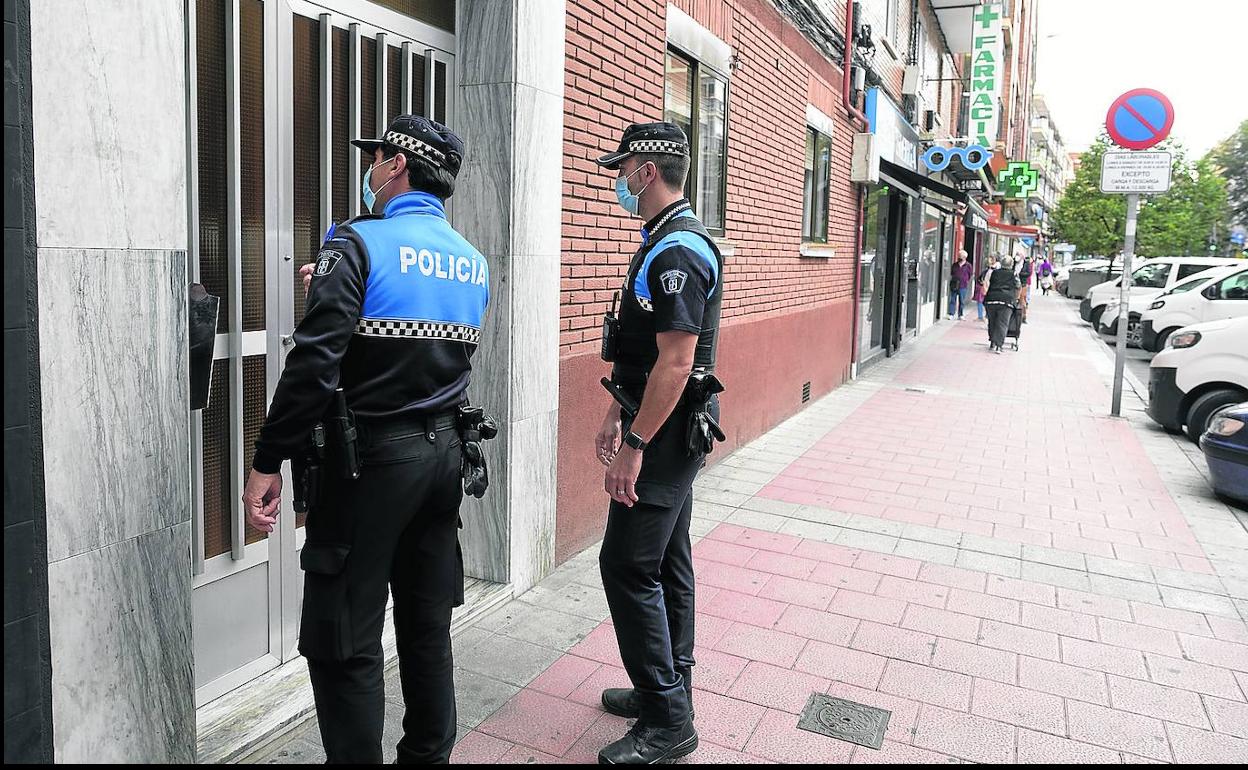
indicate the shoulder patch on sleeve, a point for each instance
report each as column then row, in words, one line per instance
column 674, row 281
column 326, row 261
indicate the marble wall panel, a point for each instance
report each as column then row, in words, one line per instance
column 120, row 621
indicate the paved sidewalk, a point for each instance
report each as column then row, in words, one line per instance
column 964, row 539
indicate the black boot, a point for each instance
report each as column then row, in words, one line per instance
column 645, row 745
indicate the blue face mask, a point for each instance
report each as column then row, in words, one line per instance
column 370, row 197
column 628, row 201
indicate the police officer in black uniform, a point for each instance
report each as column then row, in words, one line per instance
column 663, row 348
column 393, row 318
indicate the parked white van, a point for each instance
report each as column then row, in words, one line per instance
column 1152, row 276
column 1219, row 293
column 1203, row 368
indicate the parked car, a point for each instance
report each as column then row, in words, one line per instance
column 1218, row 293
column 1087, row 273
column 1203, row 368
column 1154, row 275
column 1225, row 445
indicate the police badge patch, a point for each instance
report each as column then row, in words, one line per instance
column 673, row 281
column 327, row 261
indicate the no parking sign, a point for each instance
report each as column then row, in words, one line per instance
column 1139, row 119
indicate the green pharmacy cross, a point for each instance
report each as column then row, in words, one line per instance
column 1018, row 180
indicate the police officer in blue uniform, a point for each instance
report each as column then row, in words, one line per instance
column 662, row 346
column 393, row 317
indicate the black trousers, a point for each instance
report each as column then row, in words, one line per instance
column 394, row 527
column 998, row 322
column 647, row 574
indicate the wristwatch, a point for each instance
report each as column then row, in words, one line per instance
column 635, row 441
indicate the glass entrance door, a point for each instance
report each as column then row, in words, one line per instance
column 278, row 87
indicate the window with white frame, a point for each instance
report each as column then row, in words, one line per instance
column 815, row 186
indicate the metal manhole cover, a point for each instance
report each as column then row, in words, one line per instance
column 846, row 720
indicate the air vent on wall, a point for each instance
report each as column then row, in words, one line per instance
column 806, row 393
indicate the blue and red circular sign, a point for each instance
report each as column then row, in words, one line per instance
column 1139, row 119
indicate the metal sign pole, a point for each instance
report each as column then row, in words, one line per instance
column 1124, row 301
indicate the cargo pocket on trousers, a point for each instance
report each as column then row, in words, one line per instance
column 325, row 625
column 656, row 493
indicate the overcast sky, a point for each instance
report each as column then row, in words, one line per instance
column 1193, row 51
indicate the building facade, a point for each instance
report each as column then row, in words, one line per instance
column 210, row 147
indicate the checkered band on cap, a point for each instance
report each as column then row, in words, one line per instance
column 658, row 145
column 414, row 145
column 429, row 330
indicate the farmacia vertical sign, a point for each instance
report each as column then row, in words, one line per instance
column 986, row 73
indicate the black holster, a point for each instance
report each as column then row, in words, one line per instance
column 702, row 429
column 474, row 427
column 306, row 472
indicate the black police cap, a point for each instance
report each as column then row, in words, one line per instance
column 648, row 138
column 426, row 139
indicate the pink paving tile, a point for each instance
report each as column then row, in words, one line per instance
column 1026, row 641
column 815, row 624
column 710, row 754
column 589, row 692
column 726, row 532
column 740, row 579
column 910, row 516
column 1059, row 621
column 1119, row 730
column 965, row 735
column 1022, row 590
column 709, row 549
column 1052, row 526
column 479, row 749
column 1228, row 629
column 1004, row 518
column 564, row 676
column 761, row 644
column 1230, row 717
column 892, row 642
column 983, row 605
column 1154, row 700
column 841, row 664
column 899, row 754
column 776, row 688
column 1175, row 620
column 1200, row 747
column 607, row 729
column 1215, row 652
column 707, row 629
column 955, row 524
column 1041, row 749
column 896, row 566
column 776, row 737
column 1021, row 535
column 952, row 625
column 953, row 577
column 800, row 592
column 599, row 645
column 980, row 662
column 827, row 552
column 1108, row 535
column 1018, row 706
column 1062, row 679
column 1197, row 677
column 839, row 576
column 782, row 564
column 1169, row 544
column 913, row 591
column 865, row 606
column 768, row 541
column 1103, row 657
column 744, row 608
column 927, row 685
column 725, row 721
column 1198, row 564
column 716, row 671
column 1093, row 604
column 522, row 755
column 540, row 722
column 1137, row 637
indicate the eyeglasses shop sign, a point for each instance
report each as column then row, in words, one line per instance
column 1135, row 172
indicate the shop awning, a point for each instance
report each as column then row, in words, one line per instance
column 1013, row 231
column 908, row 179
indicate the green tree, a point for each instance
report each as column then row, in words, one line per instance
column 1230, row 157
column 1177, row 223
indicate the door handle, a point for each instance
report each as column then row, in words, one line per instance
column 288, row 340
